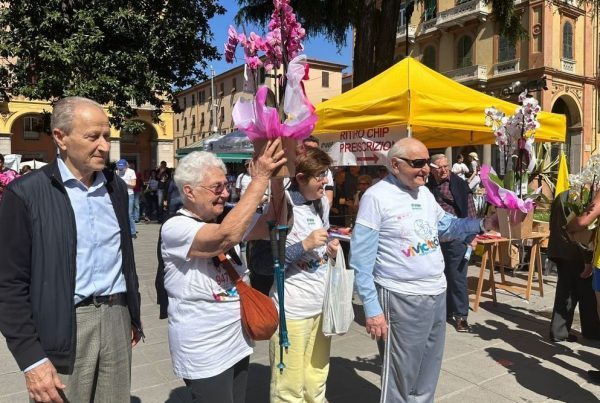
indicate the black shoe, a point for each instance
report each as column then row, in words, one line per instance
column 134, row 236
column 571, row 338
column 462, row 326
column 594, row 376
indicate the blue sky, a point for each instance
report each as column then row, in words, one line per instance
column 318, row 47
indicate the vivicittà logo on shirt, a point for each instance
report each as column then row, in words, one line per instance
column 430, row 240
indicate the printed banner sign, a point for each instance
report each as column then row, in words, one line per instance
column 362, row 146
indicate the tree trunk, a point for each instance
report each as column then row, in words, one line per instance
column 364, row 50
column 386, row 35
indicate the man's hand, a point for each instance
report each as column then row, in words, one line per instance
column 43, row 383
column 263, row 165
column 332, row 248
column 377, row 327
column 135, row 336
column 491, row 223
column 587, row 271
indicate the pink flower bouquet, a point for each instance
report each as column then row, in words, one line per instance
column 6, row 177
column 293, row 118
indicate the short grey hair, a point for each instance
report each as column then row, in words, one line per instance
column 64, row 110
column 397, row 151
column 192, row 168
column 437, row 157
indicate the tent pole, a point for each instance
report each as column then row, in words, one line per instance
column 408, row 131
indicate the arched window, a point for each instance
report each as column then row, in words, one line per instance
column 465, row 52
column 506, row 51
column 429, row 57
column 568, row 41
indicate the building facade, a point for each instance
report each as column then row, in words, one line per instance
column 558, row 62
column 203, row 115
column 24, row 130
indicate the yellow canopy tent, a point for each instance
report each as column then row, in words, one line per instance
column 410, row 97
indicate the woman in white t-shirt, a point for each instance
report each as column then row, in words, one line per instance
column 307, row 251
column 460, row 168
column 209, row 348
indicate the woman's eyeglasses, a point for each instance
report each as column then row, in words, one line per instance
column 321, row 176
column 418, row 163
column 217, row 189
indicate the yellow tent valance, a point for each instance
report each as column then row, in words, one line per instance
column 436, row 109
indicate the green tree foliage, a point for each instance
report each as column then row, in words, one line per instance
column 112, row 51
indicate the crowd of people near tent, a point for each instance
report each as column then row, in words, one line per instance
column 70, row 306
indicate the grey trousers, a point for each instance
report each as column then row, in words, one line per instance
column 102, row 371
column 414, row 347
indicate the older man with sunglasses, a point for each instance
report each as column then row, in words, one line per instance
column 399, row 269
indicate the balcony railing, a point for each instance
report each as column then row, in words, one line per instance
column 401, row 32
column 567, row 65
column 470, row 10
column 507, row 67
column 428, row 26
column 473, row 73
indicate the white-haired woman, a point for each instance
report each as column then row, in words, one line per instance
column 209, row 348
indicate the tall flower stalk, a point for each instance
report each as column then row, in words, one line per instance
column 515, row 137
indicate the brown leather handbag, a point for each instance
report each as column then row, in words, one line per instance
column 259, row 315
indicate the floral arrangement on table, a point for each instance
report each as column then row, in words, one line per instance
column 515, row 137
column 6, row 177
column 293, row 115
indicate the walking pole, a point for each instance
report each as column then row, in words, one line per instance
column 279, row 278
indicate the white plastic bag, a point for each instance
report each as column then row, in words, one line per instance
column 338, row 313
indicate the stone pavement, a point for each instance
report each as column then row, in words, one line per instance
column 507, row 358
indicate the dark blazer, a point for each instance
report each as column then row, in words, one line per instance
column 460, row 192
column 38, row 248
column 559, row 244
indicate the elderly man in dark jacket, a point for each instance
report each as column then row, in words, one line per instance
column 454, row 195
column 69, row 300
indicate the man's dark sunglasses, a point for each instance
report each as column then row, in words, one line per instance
column 418, row 163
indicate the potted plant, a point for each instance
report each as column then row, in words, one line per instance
column 581, row 192
column 515, row 139
column 292, row 117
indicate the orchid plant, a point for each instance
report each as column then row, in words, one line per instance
column 281, row 48
column 6, row 177
column 583, row 185
column 515, row 137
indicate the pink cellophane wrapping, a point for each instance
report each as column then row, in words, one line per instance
column 259, row 121
column 500, row 197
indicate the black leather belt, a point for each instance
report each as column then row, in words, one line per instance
column 98, row 300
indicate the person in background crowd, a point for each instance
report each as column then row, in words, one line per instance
column 128, row 175
column 337, row 214
column 382, row 172
column 459, row 168
column 364, row 182
column 174, row 197
column 137, row 192
column 454, row 196
column 243, row 180
column 474, row 179
column 400, row 272
column 351, row 183
column 209, row 347
column 69, row 299
column 313, row 142
column 163, row 175
column 574, row 285
column 151, row 198
column 306, row 255
column 25, row 169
